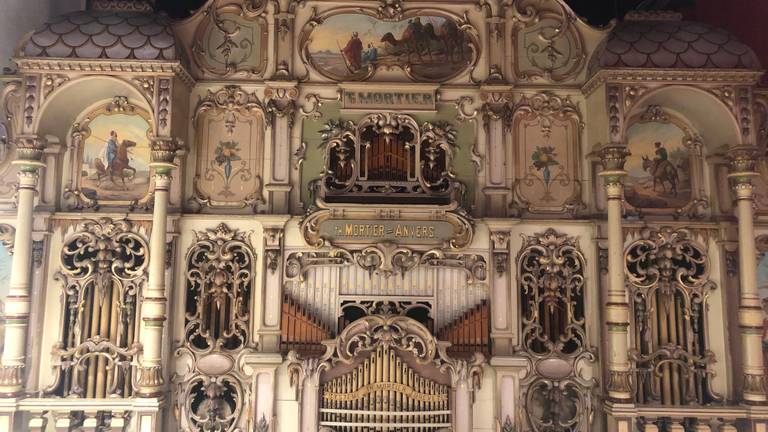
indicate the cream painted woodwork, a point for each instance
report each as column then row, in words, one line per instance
column 312, row 191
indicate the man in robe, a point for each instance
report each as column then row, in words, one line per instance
column 371, row 54
column 353, row 52
column 111, row 150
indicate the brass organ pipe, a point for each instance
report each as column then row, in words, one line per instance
column 94, row 328
column 677, row 396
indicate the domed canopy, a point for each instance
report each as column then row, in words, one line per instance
column 104, row 34
column 671, row 44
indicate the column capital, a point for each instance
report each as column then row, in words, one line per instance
column 613, row 157
column 742, row 161
column 30, row 150
column 163, row 154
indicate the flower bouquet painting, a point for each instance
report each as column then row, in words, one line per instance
column 226, row 154
column 543, row 158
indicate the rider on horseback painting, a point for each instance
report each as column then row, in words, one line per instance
column 661, row 153
column 111, row 150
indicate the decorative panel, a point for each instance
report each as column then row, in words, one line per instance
column 554, row 336
column 547, row 132
column 111, row 156
column 351, row 44
column 665, row 166
column 212, row 390
column 547, row 41
column 667, row 274
column 103, row 271
column 230, row 127
column 231, row 39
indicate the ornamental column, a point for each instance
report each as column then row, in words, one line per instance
column 29, row 150
column 616, row 306
column 153, row 307
column 742, row 169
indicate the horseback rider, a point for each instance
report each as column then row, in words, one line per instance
column 661, row 153
column 111, row 150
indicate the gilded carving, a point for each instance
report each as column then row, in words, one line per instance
column 554, row 337
column 547, row 42
column 230, row 126
column 548, row 130
column 214, row 392
column 231, row 39
column 667, row 271
column 103, row 270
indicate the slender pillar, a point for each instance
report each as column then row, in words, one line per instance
column 616, row 306
column 154, row 305
column 30, row 152
column 742, row 169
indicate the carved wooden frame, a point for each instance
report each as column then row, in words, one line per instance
column 546, row 107
column 80, row 132
column 699, row 203
column 251, row 11
column 233, row 103
column 532, row 16
column 462, row 22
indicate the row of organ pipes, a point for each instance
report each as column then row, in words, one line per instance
column 383, row 393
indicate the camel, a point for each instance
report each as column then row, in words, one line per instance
column 120, row 164
column 450, row 37
column 662, row 171
column 414, row 40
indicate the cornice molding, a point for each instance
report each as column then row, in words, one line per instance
column 98, row 66
column 668, row 76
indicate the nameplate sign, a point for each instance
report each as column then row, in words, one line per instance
column 416, row 100
column 395, row 231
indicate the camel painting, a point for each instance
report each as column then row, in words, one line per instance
column 352, row 46
column 659, row 167
column 115, row 158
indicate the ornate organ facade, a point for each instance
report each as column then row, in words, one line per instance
column 394, row 215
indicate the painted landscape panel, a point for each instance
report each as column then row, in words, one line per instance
column 659, row 167
column 115, row 158
column 351, row 46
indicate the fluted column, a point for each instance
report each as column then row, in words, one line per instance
column 30, row 152
column 154, row 304
column 742, row 170
column 616, row 306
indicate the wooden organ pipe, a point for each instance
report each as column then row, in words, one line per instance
column 301, row 330
column 469, row 333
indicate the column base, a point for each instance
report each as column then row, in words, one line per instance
column 150, row 382
column 620, row 417
column 754, row 389
column 619, row 387
column 11, row 380
column 148, row 412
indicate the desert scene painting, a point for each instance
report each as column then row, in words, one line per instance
column 115, row 158
column 659, row 167
column 351, row 46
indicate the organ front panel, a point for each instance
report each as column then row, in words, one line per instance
column 384, row 393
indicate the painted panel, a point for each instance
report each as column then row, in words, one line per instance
column 352, row 46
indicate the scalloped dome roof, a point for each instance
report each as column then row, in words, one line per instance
column 97, row 34
column 670, row 44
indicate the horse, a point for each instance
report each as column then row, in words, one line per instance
column 120, row 164
column 662, row 171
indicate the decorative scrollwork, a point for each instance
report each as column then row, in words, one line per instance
column 552, row 289
column 551, row 274
column 667, row 272
column 103, row 268
column 219, row 283
column 388, row 156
